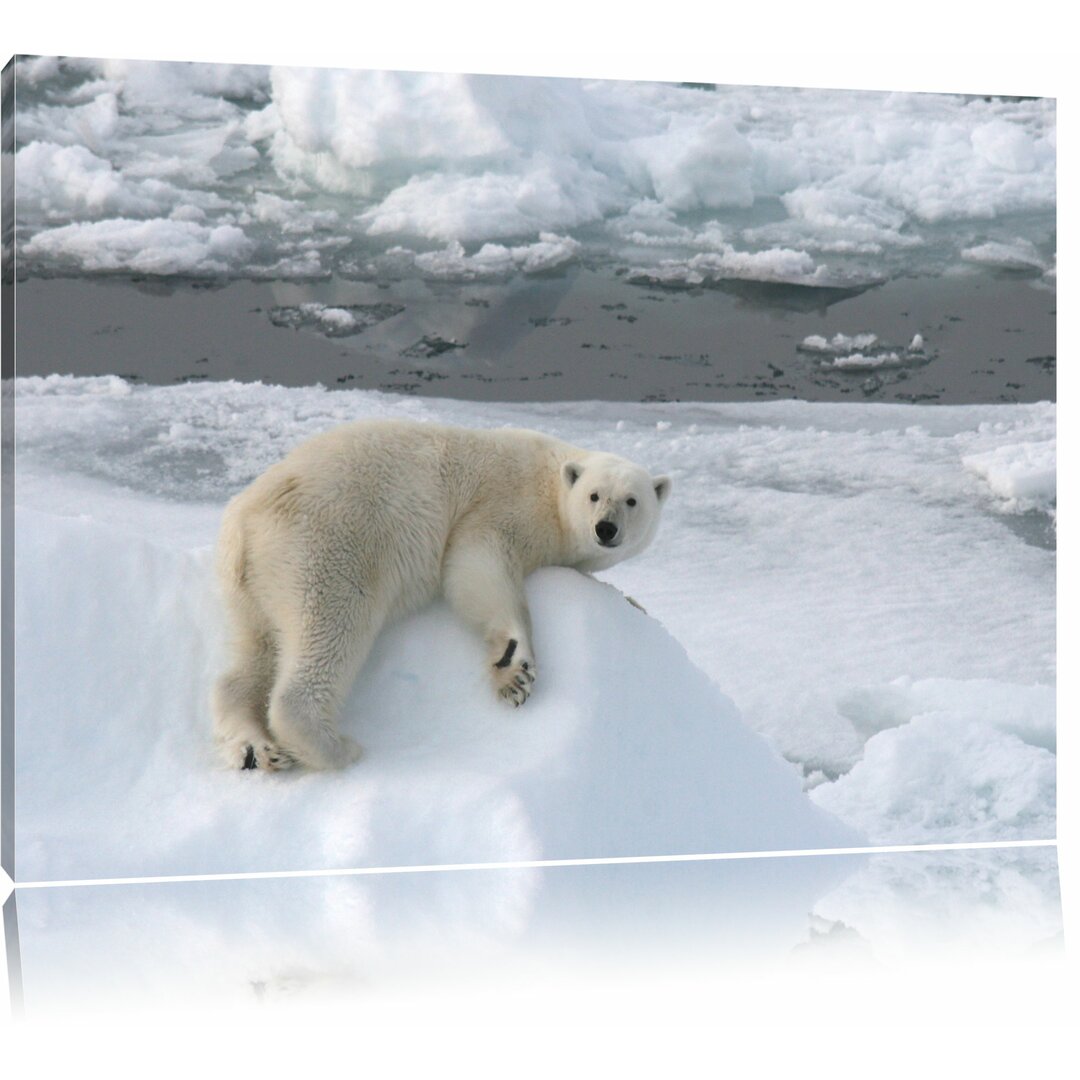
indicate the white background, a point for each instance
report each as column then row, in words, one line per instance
column 983, row 1021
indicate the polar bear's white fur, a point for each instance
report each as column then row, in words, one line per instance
column 372, row 520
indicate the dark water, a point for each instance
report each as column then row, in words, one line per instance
column 581, row 335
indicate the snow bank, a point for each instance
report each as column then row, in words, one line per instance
column 838, row 343
column 947, row 776
column 68, row 182
column 1019, row 254
column 777, row 265
column 624, row 749
column 755, row 182
column 1022, row 475
column 955, row 760
column 492, row 261
column 157, row 246
column 862, row 352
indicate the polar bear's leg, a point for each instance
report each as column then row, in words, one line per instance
column 240, row 697
column 239, row 703
column 316, row 670
column 480, row 585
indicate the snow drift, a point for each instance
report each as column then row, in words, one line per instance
column 625, row 748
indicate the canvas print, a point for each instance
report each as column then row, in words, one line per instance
column 425, row 469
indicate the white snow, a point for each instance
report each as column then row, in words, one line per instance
column 1004, row 146
column 841, row 572
column 68, row 182
column 1017, row 254
column 865, row 223
column 947, row 776
column 291, row 214
column 777, row 265
column 838, row 343
column 697, row 164
column 1022, row 474
column 860, row 362
column 156, row 246
column 1024, row 711
column 945, row 757
column 423, row 116
column 549, row 197
column 854, row 185
column 845, row 351
column 494, row 260
column 338, row 318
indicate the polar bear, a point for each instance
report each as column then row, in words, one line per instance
column 372, row 520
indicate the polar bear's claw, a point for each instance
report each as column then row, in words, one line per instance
column 514, row 683
column 277, row 759
column 261, row 755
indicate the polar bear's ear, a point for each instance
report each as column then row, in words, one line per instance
column 570, row 472
column 662, row 486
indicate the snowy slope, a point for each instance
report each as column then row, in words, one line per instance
column 625, row 748
column 871, row 602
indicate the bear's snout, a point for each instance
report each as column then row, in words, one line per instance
column 606, row 531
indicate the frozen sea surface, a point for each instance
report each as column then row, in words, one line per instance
column 872, row 586
column 216, row 170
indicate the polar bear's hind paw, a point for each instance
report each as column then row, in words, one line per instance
column 262, row 755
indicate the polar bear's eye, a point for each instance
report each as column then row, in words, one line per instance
column 594, row 497
column 631, row 501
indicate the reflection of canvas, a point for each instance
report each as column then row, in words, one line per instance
column 703, row 922
column 214, row 263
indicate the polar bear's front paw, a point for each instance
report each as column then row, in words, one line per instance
column 514, row 673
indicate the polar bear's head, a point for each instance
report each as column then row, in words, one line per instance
column 611, row 507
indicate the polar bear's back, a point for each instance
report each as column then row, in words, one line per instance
column 413, row 468
column 377, row 501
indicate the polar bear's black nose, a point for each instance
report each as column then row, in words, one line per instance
column 606, row 531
